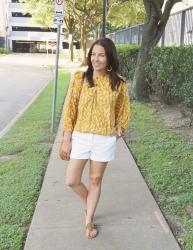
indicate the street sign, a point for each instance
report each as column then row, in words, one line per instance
column 59, row 11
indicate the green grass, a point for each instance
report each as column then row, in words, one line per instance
column 4, row 51
column 29, row 143
column 166, row 161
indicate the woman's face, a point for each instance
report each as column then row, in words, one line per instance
column 98, row 58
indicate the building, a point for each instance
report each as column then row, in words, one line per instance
column 3, row 23
column 182, row 6
column 19, row 33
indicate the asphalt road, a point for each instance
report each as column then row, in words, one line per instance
column 22, row 76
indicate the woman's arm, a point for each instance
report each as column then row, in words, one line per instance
column 70, row 115
column 122, row 110
column 71, row 104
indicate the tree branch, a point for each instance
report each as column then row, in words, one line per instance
column 147, row 6
column 78, row 7
column 157, row 8
column 166, row 13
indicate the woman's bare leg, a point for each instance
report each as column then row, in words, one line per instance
column 73, row 178
column 96, row 172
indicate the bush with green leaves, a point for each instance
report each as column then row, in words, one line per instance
column 169, row 71
column 4, row 51
column 127, row 58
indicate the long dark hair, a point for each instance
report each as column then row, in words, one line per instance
column 112, row 62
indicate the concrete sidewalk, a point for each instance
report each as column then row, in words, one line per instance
column 127, row 215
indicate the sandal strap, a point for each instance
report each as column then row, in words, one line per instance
column 90, row 226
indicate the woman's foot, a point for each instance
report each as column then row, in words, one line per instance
column 91, row 231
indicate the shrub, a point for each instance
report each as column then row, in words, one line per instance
column 127, row 58
column 4, row 51
column 169, row 71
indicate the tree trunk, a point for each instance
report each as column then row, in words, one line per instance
column 153, row 30
column 83, row 41
column 139, row 86
column 97, row 32
column 84, row 62
column 71, row 51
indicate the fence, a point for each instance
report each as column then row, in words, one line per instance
column 178, row 31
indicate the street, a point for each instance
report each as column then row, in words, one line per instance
column 22, row 76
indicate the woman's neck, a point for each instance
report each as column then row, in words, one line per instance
column 99, row 73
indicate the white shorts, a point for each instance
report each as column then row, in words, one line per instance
column 93, row 146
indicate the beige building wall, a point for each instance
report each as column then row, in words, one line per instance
column 3, row 22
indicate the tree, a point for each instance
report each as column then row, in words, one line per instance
column 125, row 13
column 82, row 15
column 70, row 23
column 43, row 13
column 157, row 15
column 87, row 14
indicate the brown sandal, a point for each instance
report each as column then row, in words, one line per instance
column 90, row 226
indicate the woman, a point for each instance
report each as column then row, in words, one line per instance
column 96, row 113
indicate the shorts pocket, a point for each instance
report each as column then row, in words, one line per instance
column 116, row 138
column 113, row 138
column 74, row 134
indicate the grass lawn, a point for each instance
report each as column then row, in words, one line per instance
column 25, row 150
column 4, row 51
column 166, row 161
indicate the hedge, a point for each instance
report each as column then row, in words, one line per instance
column 4, row 51
column 169, row 71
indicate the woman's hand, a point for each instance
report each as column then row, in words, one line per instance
column 65, row 147
column 117, row 133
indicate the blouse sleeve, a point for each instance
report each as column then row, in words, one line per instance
column 122, row 109
column 71, row 103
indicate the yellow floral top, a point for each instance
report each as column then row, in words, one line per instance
column 97, row 110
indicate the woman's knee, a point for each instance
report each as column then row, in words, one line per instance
column 74, row 172
column 71, row 182
column 95, row 180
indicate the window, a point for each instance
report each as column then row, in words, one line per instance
column 16, row 28
column 16, row 1
column 19, row 14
